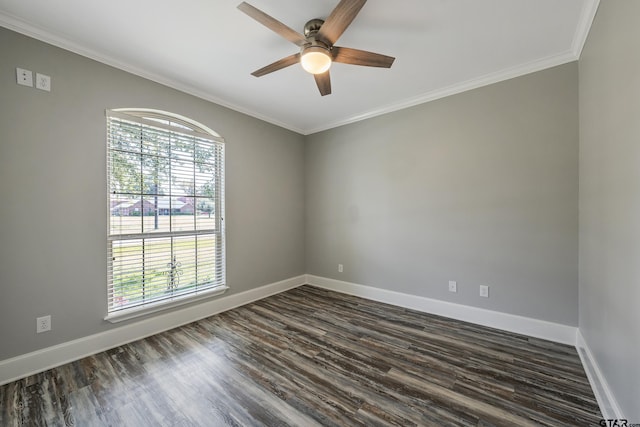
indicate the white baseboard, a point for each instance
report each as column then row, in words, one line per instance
column 606, row 400
column 50, row 357
column 509, row 322
column 47, row 358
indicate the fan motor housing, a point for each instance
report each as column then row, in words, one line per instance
column 312, row 27
column 317, row 50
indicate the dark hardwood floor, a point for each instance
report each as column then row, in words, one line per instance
column 312, row 357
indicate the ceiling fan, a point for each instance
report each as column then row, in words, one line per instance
column 317, row 50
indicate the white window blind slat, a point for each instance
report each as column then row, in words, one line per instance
column 166, row 209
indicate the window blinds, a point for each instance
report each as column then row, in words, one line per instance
column 166, row 211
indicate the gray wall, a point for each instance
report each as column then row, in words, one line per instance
column 610, row 198
column 53, row 209
column 481, row 188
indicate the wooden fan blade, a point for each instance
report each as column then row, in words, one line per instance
column 273, row 24
column 347, row 55
column 324, row 83
column 340, row 18
column 278, row 65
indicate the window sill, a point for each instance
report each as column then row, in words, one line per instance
column 132, row 313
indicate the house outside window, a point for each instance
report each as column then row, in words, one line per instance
column 166, row 240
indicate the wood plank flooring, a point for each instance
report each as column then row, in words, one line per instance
column 310, row 357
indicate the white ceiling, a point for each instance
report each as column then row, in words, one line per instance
column 209, row 48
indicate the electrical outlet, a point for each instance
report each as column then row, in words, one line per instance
column 453, row 286
column 484, row 291
column 43, row 324
column 43, row 82
column 24, row 77
column 340, row 268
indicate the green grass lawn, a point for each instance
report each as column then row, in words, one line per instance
column 159, row 267
column 139, row 224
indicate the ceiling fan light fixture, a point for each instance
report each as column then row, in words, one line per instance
column 317, row 44
column 315, row 59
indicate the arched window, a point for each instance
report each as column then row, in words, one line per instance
column 166, row 243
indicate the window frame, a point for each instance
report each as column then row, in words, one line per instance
column 171, row 123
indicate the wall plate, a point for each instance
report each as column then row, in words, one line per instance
column 43, row 82
column 24, row 77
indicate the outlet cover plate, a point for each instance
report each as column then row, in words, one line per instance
column 484, row 291
column 43, row 82
column 453, row 286
column 43, row 324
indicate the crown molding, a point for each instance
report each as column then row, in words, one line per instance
column 20, row 26
column 457, row 88
column 589, row 10
column 588, row 13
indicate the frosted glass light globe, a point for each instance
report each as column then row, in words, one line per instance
column 315, row 60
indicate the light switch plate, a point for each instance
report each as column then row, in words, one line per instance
column 24, row 77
